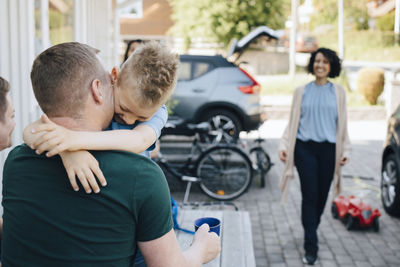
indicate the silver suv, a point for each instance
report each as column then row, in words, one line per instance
column 212, row 89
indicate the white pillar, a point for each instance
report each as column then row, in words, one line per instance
column 293, row 37
column 340, row 30
column 397, row 22
column 17, row 33
column 93, row 25
column 116, row 36
column 44, row 23
column 80, row 21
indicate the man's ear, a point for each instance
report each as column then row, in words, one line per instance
column 114, row 74
column 95, row 89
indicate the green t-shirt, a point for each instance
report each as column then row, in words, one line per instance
column 46, row 223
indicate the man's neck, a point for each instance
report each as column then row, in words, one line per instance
column 76, row 124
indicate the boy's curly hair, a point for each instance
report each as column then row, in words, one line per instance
column 4, row 89
column 151, row 71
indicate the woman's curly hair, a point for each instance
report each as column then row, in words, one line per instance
column 334, row 61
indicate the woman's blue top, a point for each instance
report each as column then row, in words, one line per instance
column 318, row 118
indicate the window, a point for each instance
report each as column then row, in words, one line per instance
column 131, row 11
column 200, row 68
column 184, row 72
column 61, row 23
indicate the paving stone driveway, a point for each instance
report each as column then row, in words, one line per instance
column 277, row 231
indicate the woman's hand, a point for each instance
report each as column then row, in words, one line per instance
column 55, row 140
column 283, row 155
column 83, row 165
column 343, row 161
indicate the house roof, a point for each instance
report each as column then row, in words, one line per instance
column 380, row 8
column 156, row 20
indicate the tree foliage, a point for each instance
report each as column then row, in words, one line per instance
column 355, row 13
column 221, row 20
column 386, row 22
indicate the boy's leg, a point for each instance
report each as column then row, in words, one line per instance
column 307, row 166
column 139, row 260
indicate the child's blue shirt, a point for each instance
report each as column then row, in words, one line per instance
column 156, row 122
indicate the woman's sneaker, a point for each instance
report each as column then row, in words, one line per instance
column 310, row 258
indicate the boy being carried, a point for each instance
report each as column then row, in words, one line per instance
column 141, row 88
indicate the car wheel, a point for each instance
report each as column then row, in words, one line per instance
column 334, row 210
column 375, row 224
column 225, row 126
column 350, row 222
column 390, row 185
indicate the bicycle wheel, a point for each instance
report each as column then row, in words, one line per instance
column 262, row 161
column 225, row 172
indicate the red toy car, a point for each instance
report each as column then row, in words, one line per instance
column 355, row 213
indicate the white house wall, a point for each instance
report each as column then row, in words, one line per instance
column 93, row 25
column 17, row 30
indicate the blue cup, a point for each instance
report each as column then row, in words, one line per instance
column 214, row 223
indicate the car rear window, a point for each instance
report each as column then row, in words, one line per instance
column 200, row 68
column 184, row 71
column 189, row 70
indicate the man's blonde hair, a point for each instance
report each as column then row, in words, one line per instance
column 151, row 70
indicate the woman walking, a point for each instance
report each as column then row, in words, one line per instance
column 316, row 142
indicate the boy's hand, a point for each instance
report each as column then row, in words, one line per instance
column 55, row 140
column 83, row 165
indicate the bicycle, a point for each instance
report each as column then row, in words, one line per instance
column 259, row 157
column 261, row 160
column 223, row 172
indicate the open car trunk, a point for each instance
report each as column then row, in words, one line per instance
column 238, row 47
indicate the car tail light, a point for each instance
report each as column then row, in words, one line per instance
column 254, row 88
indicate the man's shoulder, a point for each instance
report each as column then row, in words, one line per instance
column 117, row 155
column 122, row 161
column 128, row 168
column 20, row 150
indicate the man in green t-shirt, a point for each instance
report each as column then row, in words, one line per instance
column 47, row 223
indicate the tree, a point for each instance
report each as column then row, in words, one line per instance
column 221, row 20
column 386, row 22
column 355, row 13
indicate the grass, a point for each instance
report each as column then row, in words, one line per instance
column 367, row 45
column 282, row 84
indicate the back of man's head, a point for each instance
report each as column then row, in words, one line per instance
column 61, row 76
column 4, row 88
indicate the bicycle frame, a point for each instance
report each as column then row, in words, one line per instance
column 216, row 158
column 183, row 172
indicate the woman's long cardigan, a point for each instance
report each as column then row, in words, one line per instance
column 288, row 140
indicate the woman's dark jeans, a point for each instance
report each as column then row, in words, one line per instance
column 315, row 163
